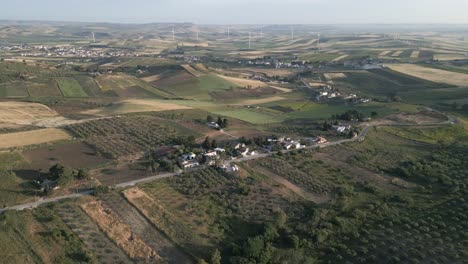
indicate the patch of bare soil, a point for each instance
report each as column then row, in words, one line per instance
column 145, row 230
column 120, row 232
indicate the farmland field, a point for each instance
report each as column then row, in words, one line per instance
column 70, row 87
column 73, row 154
column 119, row 83
column 335, row 143
column 161, row 201
column 33, row 137
column 130, row 135
column 201, row 87
column 134, row 106
column 431, row 74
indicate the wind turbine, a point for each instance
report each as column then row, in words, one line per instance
column 173, row 33
column 228, row 32
column 250, row 38
column 94, row 37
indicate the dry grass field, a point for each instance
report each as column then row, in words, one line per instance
column 191, row 70
column 34, row 137
column 385, row 53
column 334, row 75
column 261, row 101
column 431, row 74
column 244, row 82
column 282, row 89
column 119, row 232
column 152, row 78
column 269, row 72
column 448, row 57
column 340, row 58
column 415, row 54
column 135, row 106
column 201, row 67
column 24, row 113
column 397, row 53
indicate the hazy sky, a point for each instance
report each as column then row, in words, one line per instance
column 240, row 11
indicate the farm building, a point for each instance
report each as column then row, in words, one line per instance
column 189, row 164
column 213, row 125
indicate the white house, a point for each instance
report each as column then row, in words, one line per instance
column 211, row 154
column 213, row 125
column 219, row 150
column 239, row 145
column 188, row 164
column 342, row 129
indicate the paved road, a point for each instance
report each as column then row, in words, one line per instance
column 359, row 137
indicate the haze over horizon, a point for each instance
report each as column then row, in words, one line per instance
column 241, row 11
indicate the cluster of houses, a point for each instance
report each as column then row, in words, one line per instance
column 327, row 92
column 215, row 158
column 66, row 51
column 285, row 143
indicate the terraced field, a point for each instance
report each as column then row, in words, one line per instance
column 105, row 249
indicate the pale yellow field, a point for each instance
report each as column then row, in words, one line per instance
column 334, row 75
column 135, row 106
column 430, row 74
column 151, row 78
column 195, row 44
column 120, row 232
column 446, row 57
column 261, row 100
column 24, row 113
column 415, row 54
column 340, row 58
column 286, row 90
column 269, row 72
column 385, row 53
column 34, row 137
column 191, row 70
column 244, row 82
column 316, row 84
column 397, row 53
column 201, row 68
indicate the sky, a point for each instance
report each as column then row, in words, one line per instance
column 240, row 11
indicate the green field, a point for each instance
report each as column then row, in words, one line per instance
column 39, row 236
column 200, row 88
column 14, row 189
column 14, row 89
column 70, row 87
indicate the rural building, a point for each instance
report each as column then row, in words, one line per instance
column 211, row 154
column 188, row 164
column 188, row 156
column 239, row 146
column 229, row 168
column 320, row 140
column 219, row 150
column 213, row 125
column 342, row 129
